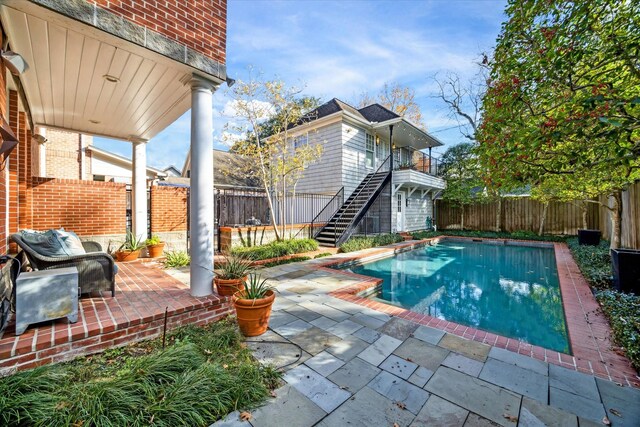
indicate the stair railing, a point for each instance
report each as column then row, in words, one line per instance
column 386, row 164
column 332, row 206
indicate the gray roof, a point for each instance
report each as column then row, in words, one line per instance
column 370, row 113
column 377, row 113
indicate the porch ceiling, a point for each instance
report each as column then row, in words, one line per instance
column 407, row 135
column 65, row 84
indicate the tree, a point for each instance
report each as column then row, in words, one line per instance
column 268, row 110
column 399, row 99
column 461, row 170
column 463, row 100
column 562, row 110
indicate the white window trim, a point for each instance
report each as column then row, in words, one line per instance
column 299, row 137
column 372, row 151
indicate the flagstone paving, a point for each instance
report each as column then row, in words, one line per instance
column 347, row 364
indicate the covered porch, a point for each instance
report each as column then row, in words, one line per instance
column 146, row 298
column 94, row 70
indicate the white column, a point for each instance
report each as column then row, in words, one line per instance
column 201, row 225
column 139, row 188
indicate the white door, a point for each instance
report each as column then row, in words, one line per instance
column 400, row 208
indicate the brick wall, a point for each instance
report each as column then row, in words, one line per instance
column 86, row 207
column 168, row 209
column 198, row 24
column 3, row 172
column 63, row 154
column 12, row 165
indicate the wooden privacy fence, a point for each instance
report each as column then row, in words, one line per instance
column 517, row 214
column 630, row 236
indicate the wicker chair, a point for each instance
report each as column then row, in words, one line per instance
column 96, row 269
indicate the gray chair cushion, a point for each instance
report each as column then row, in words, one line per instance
column 69, row 242
column 53, row 243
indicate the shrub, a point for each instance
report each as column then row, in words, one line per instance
column 153, row 240
column 175, row 259
column 359, row 243
column 517, row 235
column 594, row 262
column 286, row 261
column 623, row 311
column 276, row 249
column 143, row 384
column 322, row 255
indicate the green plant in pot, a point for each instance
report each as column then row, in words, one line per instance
column 130, row 249
column 231, row 274
column 155, row 246
column 253, row 305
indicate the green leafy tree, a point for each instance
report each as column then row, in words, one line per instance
column 462, row 172
column 562, row 111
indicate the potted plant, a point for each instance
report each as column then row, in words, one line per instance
column 589, row 237
column 406, row 165
column 253, row 306
column 130, row 249
column 232, row 274
column 155, row 246
column 626, row 270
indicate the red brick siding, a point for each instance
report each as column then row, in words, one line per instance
column 24, row 173
column 12, row 165
column 198, row 24
column 3, row 172
column 86, row 207
column 168, row 209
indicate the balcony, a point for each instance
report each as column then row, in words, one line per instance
column 415, row 170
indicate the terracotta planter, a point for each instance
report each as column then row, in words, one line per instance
column 155, row 251
column 126, row 256
column 253, row 315
column 228, row 287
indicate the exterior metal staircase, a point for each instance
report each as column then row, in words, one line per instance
column 345, row 220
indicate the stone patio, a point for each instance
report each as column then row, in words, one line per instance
column 349, row 364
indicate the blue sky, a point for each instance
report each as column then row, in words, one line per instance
column 342, row 49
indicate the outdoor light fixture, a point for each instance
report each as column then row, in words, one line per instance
column 110, row 78
column 39, row 138
column 14, row 62
column 230, row 81
column 377, row 140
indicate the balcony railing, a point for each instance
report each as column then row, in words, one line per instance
column 407, row 158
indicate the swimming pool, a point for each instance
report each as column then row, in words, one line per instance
column 505, row 289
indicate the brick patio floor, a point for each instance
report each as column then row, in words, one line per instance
column 348, row 361
column 143, row 292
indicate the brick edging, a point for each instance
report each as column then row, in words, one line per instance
column 595, row 357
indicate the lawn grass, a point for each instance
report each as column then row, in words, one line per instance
column 203, row 374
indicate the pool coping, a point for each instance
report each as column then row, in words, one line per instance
column 588, row 328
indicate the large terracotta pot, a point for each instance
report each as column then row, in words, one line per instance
column 155, row 251
column 126, row 256
column 228, row 287
column 253, row 315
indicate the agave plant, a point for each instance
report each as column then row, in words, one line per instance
column 255, row 287
column 234, row 267
column 131, row 243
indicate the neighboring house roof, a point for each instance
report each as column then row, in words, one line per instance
column 121, row 160
column 172, row 171
column 230, row 170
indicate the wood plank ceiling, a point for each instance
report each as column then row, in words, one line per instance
column 67, row 84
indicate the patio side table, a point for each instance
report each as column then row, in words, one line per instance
column 46, row 295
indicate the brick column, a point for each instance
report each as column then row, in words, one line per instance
column 4, row 173
column 12, row 166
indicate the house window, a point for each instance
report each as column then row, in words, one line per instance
column 399, row 203
column 369, row 150
column 396, row 157
column 300, row 140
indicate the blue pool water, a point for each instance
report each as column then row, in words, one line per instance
column 508, row 290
